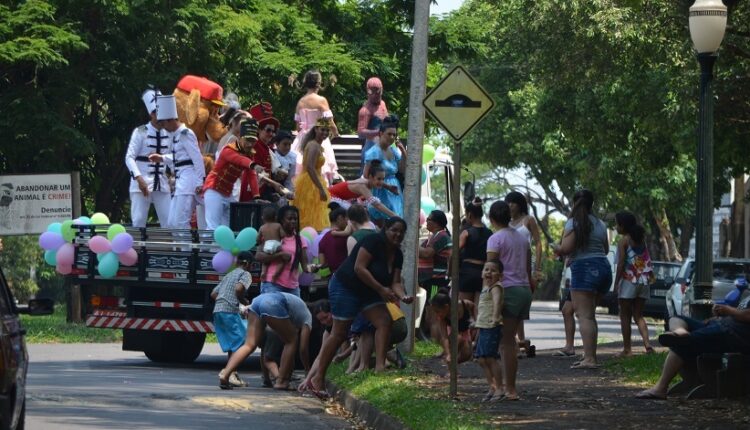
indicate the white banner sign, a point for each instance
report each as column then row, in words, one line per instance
column 29, row 203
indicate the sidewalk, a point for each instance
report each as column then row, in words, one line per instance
column 553, row 396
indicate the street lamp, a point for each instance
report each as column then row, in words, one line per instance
column 708, row 19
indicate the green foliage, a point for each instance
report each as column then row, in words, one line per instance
column 20, row 259
column 600, row 94
column 411, row 397
column 54, row 329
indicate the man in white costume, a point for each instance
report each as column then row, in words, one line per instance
column 185, row 160
column 149, row 183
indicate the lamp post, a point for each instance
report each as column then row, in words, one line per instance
column 708, row 20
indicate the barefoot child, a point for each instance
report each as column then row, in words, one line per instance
column 490, row 325
column 269, row 236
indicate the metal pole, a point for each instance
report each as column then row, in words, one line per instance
column 703, row 284
column 456, row 231
column 412, row 179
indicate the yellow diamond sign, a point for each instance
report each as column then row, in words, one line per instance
column 458, row 103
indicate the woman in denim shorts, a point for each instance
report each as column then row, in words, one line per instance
column 370, row 277
column 289, row 317
column 586, row 242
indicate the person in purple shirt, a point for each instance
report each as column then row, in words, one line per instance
column 513, row 250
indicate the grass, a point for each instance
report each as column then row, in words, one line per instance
column 55, row 329
column 638, row 369
column 416, row 399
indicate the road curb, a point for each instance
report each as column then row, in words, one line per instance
column 365, row 411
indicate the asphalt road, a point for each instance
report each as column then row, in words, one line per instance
column 99, row 386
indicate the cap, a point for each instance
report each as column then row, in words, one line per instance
column 245, row 256
column 249, row 129
column 166, row 108
column 149, row 99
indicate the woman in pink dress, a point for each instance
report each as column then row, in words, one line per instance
column 309, row 108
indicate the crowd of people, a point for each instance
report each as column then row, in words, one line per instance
column 191, row 180
column 360, row 254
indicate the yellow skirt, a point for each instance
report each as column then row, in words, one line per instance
column 313, row 212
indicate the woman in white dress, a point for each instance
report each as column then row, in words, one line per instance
column 309, row 108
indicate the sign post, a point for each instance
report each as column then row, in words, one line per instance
column 458, row 103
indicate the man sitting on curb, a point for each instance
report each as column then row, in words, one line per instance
column 728, row 331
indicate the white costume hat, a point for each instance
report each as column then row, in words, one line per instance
column 149, row 99
column 166, row 108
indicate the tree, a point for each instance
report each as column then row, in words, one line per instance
column 599, row 93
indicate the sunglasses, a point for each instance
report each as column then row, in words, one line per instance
column 270, row 130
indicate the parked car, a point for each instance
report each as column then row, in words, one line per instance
column 665, row 273
column 13, row 355
column 725, row 272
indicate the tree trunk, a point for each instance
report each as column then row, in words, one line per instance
column 666, row 237
column 738, row 218
column 686, row 234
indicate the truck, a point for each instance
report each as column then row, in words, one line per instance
column 162, row 304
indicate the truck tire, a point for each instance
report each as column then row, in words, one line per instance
column 176, row 347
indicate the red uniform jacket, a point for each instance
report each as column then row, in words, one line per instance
column 231, row 164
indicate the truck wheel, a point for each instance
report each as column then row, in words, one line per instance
column 176, row 347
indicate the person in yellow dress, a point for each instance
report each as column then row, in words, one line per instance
column 311, row 195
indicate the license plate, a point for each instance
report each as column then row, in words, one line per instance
column 658, row 293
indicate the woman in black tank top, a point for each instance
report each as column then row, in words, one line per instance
column 473, row 246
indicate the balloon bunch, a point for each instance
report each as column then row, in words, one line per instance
column 231, row 246
column 312, row 239
column 58, row 251
column 113, row 250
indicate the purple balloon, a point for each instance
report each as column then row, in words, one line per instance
column 222, row 261
column 121, row 243
column 50, row 241
column 306, row 279
column 66, row 255
column 315, row 247
column 100, row 244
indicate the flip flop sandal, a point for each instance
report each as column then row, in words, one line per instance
column 562, row 353
column 650, row 350
column 498, row 398
column 225, row 385
column 649, row 395
column 507, row 398
column 582, row 365
column 487, row 397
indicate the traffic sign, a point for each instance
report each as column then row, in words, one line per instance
column 458, row 103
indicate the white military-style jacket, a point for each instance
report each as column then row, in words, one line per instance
column 144, row 141
column 186, row 161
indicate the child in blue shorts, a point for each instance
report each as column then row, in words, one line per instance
column 229, row 295
column 490, row 325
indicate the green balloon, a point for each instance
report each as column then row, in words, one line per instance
column 114, row 230
column 67, row 230
column 428, row 154
column 235, row 250
column 108, row 265
column 99, row 218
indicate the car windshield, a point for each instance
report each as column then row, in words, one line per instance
column 662, row 271
column 729, row 271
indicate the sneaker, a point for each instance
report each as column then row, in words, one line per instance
column 235, row 381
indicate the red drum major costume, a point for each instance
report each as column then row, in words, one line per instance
column 234, row 159
column 149, row 183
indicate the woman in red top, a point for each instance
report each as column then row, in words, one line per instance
column 360, row 190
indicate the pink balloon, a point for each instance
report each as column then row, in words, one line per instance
column 422, row 217
column 63, row 269
column 122, row 243
column 50, row 241
column 100, row 244
column 128, row 258
column 66, row 255
column 222, row 261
